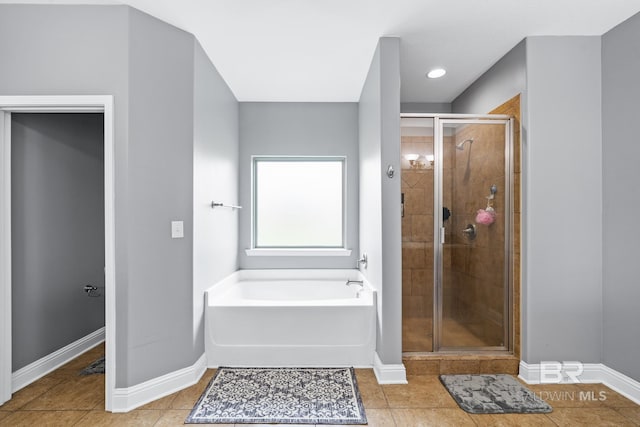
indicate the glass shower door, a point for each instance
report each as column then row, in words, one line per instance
column 473, row 253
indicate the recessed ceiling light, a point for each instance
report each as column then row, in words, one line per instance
column 436, row 73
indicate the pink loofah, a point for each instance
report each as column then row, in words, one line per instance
column 486, row 216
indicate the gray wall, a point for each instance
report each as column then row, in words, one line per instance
column 380, row 232
column 160, row 182
column 305, row 129
column 57, row 209
column 215, row 177
column 563, row 169
column 371, row 173
column 148, row 66
column 425, row 107
column 504, row 80
column 621, row 199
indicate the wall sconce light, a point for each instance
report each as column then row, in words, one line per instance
column 413, row 161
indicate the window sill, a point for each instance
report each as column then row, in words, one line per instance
column 298, row 252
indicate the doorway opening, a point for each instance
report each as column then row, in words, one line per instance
column 23, row 213
column 457, row 231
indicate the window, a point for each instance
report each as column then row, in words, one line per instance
column 298, row 202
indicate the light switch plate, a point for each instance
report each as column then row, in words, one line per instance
column 177, row 229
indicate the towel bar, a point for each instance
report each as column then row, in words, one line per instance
column 222, row 205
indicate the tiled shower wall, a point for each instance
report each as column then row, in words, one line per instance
column 417, row 231
column 417, row 225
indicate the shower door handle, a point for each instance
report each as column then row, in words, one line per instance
column 442, row 235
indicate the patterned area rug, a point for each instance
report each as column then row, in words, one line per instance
column 280, row 395
column 96, row 367
column 493, row 394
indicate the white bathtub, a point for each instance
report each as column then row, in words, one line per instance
column 290, row 318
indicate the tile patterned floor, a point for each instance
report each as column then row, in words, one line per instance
column 62, row 398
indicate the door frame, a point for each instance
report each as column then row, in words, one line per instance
column 56, row 104
column 439, row 241
column 438, row 231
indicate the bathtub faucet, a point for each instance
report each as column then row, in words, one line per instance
column 357, row 282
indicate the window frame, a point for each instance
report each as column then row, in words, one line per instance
column 254, row 250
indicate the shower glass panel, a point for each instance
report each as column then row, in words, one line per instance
column 417, row 175
column 473, row 259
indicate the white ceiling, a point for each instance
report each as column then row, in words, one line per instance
column 320, row 50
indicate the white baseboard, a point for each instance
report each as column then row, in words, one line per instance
column 41, row 367
column 127, row 399
column 592, row 373
column 529, row 373
column 389, row 373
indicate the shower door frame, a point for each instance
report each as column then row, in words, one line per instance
column 438, row 229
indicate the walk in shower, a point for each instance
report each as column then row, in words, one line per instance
column 457, row 185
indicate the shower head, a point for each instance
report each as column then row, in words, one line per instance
column 460, row 146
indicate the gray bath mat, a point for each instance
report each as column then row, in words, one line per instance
column 96, row 367
column 493, row 394
column 280, row 395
